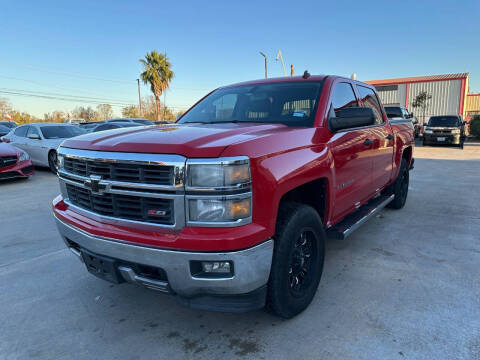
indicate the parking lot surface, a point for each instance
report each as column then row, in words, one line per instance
column 406, row 285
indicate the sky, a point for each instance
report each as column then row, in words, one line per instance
column 91, row 49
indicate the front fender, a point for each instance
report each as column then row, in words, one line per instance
column 276, row 175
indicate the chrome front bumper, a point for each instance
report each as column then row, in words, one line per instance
column 251, row 266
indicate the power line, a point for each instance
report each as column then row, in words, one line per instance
column 66, row 95
column 92, row 77
column 73, row 99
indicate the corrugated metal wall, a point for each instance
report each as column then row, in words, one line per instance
column 445, row 97
column 473, row 103
column 393, row 97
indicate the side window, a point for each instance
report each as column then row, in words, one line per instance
column 369, row 99
column 21, row 131
column 32, row 131
column 342, row 97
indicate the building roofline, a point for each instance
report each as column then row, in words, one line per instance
column 415, row 79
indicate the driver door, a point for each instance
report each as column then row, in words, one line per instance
column 352, row 162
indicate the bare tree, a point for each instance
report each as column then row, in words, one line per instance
column 104, row 112
column 421, row 101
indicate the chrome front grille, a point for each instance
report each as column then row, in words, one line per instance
column 152, row 210
column 135, row 173
column 131, row 189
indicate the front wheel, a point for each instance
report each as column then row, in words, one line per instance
column 297, row 260
column 400, row 187
column 52, row 161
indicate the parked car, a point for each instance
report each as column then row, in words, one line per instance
column 4, row 130
column 114, row 125
column 89, row 126
column 14, row 162
column 41, row 140
column 399, row 113
column 9, row 124
column 132, row 120
column 229, row 208
column 445, row 129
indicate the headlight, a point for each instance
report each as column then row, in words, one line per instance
column 456, row 131
column 427, row 131
column 24, row 157
column 219, row 191
column 219, row 210
column 60, row 161
column 218, row 175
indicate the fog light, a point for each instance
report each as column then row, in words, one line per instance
column 216, row 266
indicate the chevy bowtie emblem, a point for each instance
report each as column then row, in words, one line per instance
column 94, row 185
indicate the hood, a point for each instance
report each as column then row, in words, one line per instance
column 190, row 140
column 8, row 150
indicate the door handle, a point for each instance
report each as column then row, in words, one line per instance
column 368, row 142
column 389, row 137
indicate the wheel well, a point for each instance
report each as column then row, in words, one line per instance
column 312, row 193
column 407, row 154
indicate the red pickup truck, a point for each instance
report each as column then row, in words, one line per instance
column 229, row 208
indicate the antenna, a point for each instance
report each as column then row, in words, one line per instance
column 279, row 55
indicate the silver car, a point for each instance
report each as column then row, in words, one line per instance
column 41, row 140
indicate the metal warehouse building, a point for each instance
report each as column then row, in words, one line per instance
column 449, row 93
column 473, row 105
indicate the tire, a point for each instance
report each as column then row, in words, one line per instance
column 52, row 161
column 298, row 258
column 400, row 187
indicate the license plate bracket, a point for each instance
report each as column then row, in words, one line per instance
column 101, row 266
column 440, row 138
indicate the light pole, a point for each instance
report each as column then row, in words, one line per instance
column 265, row 56
column 139, row 98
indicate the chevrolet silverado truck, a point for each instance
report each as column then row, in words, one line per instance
column 229, row 208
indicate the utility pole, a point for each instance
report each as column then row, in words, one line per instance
column 265, row 56
column 139, row 98
column 292, row 72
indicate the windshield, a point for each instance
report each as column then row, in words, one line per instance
column 61, row 132
column 393, row 111
column 444, row 121
column 288, row 103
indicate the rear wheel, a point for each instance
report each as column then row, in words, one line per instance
column 52, row 161
column 400, row 187
column 297, row 260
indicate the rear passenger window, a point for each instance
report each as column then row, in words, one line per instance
column 369, row 99
column 342, row 97
column 21, row 131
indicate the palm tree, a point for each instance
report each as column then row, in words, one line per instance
column 157, row 72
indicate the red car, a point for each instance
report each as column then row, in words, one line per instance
column 229, row 208
column 14, row 162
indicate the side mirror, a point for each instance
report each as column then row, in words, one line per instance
column 352, row 117
column 34, row 136
column 410, row 115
